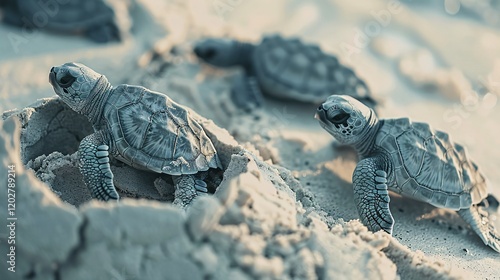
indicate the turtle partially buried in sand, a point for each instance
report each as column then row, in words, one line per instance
column 409, row 158
column 282, row 68
column 142, row 128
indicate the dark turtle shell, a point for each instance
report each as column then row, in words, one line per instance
column 291, row 69
column 150, row 131
column 65, row 16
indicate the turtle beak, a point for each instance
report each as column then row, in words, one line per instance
column 52, row 77
column 204, row 52
column 320, row 114
column 197, row 50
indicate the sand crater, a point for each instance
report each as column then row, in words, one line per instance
column 50, row 136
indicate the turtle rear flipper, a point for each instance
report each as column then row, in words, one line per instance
column 490, row 203
column 478, row 218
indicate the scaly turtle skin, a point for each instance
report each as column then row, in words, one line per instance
column 283, row 68
column 95, row 18
column 411, row 159
column 142, row 128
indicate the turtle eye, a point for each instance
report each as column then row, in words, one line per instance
column 340, row 118
column 66, row 80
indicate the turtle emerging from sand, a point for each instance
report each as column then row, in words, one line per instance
column 97, row 19
column 409, row 158
column 283, row 68
column 142, row 128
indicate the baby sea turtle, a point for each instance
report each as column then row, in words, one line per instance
column 411, row 159
column 142, row 128
column 95, row 18
column 283, row 68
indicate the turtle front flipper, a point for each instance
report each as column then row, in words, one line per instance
column 478, row 218
column 187, row 187
column 95, row 168
column 246, row 93
column 371, row 195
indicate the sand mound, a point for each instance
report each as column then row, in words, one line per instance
column 254, row 226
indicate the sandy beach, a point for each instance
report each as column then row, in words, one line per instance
column 285, row 208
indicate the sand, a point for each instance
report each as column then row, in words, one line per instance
column 285, row 208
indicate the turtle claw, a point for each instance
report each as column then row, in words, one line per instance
column 201, row 187
column 381, row 174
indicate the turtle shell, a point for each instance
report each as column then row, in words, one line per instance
column 150, row 131
column 69, row 16
column 291, row 69
column 429, row 166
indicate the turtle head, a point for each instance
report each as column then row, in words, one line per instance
column 73, row 82
column 346, row 119
column 218, row 52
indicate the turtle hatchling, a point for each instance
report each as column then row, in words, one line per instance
column 142, row 128
column 282, row 68
column 411, row 159
column 100, row 20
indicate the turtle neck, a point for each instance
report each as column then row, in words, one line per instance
column 244, row 53
column 365, row 146
column 94, row 106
